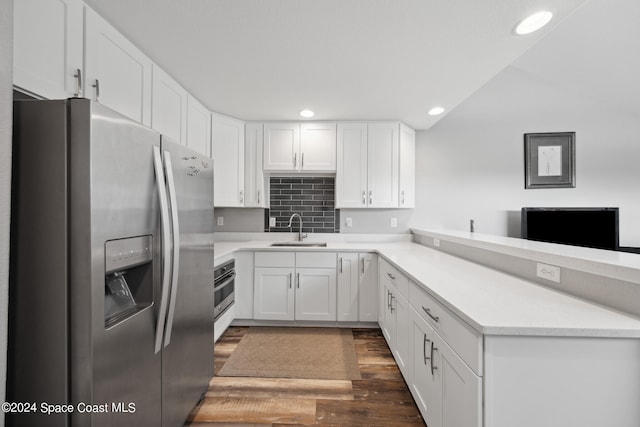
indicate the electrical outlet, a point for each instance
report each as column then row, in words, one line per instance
column 348, row 222
column 394, row 222
column 220, row 220
column 436, row 243
column 548, row 272
column 272, row 221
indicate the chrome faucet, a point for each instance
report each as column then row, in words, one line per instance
column 301, row 235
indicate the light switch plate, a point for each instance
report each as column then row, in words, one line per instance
column 548, row 272
column 272, row 221
column 394, row 222
column 436, row 243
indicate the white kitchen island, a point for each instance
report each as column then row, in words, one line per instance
column 479, row 347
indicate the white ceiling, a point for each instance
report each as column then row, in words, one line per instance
column 344, row 59
column 595, row 53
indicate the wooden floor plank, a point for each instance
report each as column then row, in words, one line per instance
column 256, row 410
column 280, row 388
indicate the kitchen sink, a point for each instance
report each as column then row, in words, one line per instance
column 301, row 244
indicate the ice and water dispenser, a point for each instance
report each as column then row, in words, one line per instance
column 128, row 286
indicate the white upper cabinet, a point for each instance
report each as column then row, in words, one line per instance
column 198, row 127
column 169, row 107
column 306, row 147
column 382, row 159
column 227, row 150
column 281, row 146
column 118, row 75
column 47, row 54
column 368, row 169
column 254, row 195
column 351, row 175
column 407, row 167
column 318, row 147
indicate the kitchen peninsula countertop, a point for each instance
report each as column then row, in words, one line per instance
column 490, row 301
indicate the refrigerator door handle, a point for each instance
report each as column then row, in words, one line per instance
column 173, row 205
column 166, row 248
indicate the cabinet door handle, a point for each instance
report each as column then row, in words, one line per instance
column 258, row 196
column 364, row 197
column 340, row 264
column 295, row 160
column 298, row 275
column 363, row 265
column 78, row 76
column 97, row 86
column 433, row 368
column 424, row 349
column 402, row 197
column 391, row 276
column 302, row 161
column 370, row 196
column 290, row 279
column 388, row 299
column 391, row 307
column 428, row 311
column 241, row 196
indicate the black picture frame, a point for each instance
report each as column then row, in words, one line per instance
column 550, row 160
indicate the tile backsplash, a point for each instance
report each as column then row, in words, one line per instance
column 311, row 197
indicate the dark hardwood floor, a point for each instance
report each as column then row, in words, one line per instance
column 380, row 398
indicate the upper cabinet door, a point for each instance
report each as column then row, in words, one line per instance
column 198, row 127
column 318, row 147
column 118, row 75
column 407, row 167
column 47, row 54
column 227, row 149
column 254, row 196
column 351, row 174
column 281, row 146
column 169, row 107
column 383, row 165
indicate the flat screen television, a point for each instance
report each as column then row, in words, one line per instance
column 589, row 227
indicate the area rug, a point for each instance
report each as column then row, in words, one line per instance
column 316, row 353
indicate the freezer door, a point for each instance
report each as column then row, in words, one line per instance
column 187, row 356
column 115, row 268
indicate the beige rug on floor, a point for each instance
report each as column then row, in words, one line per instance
column 317, row 353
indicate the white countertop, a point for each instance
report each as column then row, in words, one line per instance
column 490, row 301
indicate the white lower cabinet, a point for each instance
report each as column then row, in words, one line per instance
column 315, row 294
column 273, row 293
column 295, row 286
column 348, row 287
column 243, row 285
column 395, row 315
column 447, row 392
column 357, row 287
column 367, row 287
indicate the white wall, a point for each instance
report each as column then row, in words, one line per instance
column 6, row 79
column 471, row 164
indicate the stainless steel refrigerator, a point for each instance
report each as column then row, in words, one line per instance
column 111, row 280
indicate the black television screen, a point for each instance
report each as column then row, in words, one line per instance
column 590, row 227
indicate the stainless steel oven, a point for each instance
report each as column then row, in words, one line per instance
column 224, row 288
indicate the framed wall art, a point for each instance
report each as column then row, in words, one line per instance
column 550, row 160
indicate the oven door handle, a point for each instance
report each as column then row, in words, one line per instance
column 225, row 283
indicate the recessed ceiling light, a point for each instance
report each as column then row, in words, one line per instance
column 435, row 111
column 533, row 22
column 307, row 113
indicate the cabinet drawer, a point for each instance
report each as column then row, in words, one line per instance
column 316, row 259
column 275, row 259
column 393, row 276
column 464, row 340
